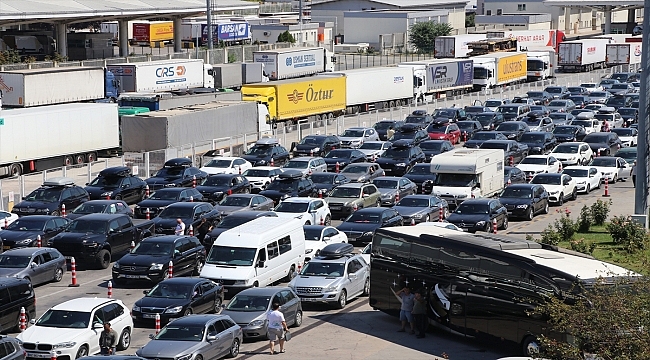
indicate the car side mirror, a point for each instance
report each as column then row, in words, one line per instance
column 327, row 238
column 312, row 211
column 352, row 276
column 260, row 264
column 87, row 184
column 151, row 336
column 33, row 265
column 365, row 195
column 97, row 325
column 177, row 253
column 32, row 321
column 212, row 337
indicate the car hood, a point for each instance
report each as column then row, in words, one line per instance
column 98, row 190
column 360, row 227
column 306, row 147
column 315, row 281
column 531, row 167
column 77, row 237
column 351, row 139
column 354, row 176
column 409, row 210
column 149, row 203
column 5, row 272
column 514, row 201
column 387, row 192
column 369, row 152
column 160, row 302
column 10, row 235
column 564, row 137
column 50, row 335
column 455, row 218
column 162, row 180
column 332, row 161
column 36, row 204
column 245, row 317
column 532, row 145
column 212, row 189
column 167, row 348
column 552, row 188
column 473, row 143
column 419, row 178
column 143, row 260
column 215, row 170
column 340, row 200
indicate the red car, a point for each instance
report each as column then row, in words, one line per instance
column 448, row 131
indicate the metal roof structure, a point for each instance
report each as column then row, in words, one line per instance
column 402, row 4
column 615, row 4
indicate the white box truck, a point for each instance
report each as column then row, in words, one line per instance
column 623, row 54
column 541, row 64
column 463, row 174
column 294, row 62
column 163, row 75
column 44, row 137
column 454, row 46
column 499, row 69
column 439, row 78
column 582, row 55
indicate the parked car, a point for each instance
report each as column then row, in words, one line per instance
column 514, row 111
column 216, row 187
column 117, row 183
column 244, row 202
column 512, row 150
column 540, row 97
column 38, row 265
column 565, row 105
column 260, row 177
column 316, row 145
column 539, row 142
column 160, row 199
column 361, row 225
column 478, row 215
column 319, row 236
column 306, row 165
column 431, row 148
column 628, row 136
column 561, row 118
column 630, row 115
column 471, row 111
column 610, row 116
column 232, row 221
column 524, row 200
column 356, row 136
column 569, row 133
column 267, row 152
column 587, row 177
column 289, row 183
column 421, row 208
column 628, row 154
column 603, row 144
column 560, row 187
column 449, row 131
column 573, row 153
column 411, row 134
column 51, row 197
column 374, row 149
column 493, row 104
column 621, row 89
column 558, row 92
column 400, row 157
column 513, row 175
column 513, row 130
column 177, row 172
column 101, row 207
column 421, row 175
column 190, row 214
column 469, row 127
column 418, row 118
column 539, row 164
column 452, row 114
column 579, row 100
column 591, row 87
column 362, row 172
column 325, row 182
column 312, row 211
column 226, row 165
column 590, row 125
column 612, row 168
column 537, row 122
column 599, row 97
column 348, row 198
column 483, row 136
column 343, row 157
column 578, row 90
column 25, row 231
column 393, row 188
column 7, row 218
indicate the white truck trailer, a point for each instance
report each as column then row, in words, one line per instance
column 623, row 54
column 583, row 55
column 44, row 137
column 163, row 75
column 454, row 46
column 439, row 78
column 294, row 62
column 541, row 64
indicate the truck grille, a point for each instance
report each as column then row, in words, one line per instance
column 309, row 290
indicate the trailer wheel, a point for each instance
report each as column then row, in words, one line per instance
column 91, row 157
column 330, row 118
column 391, row 104
column 15, row 169
column 67, row 160
column 79, row 159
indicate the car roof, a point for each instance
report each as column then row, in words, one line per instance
column 199, row 319
column 26, row 251
column 263, row 291
column 40, row 217
column 103, row 202
column 83, row 303
column 121, row 171
column 186, row 204
column 101, row 216
column 522, row 186
column 372, row 210
column 251, row 214
column 226, row 158
column 364, row 164
column 419, row 196
column 476, row 201
column 183, row 280
column 358, row 128
column 304, row 158
column 300, row 200
column 351, row 185
column 248, row 196
column 163, row 238
column 395, row 178
column 173, row 189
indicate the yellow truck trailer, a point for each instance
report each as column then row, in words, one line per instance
column 296, row 99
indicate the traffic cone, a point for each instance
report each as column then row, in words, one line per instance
column 23, row 320
column 272, row 162
column 62, row 210
column 194, row 181
column 440, row 212
column 157, row 326
column 494, row 226
column 73, row 267
column 412, row 222
column 170, row 270
column 38, row 241
column 110, row 289
column 606, row 194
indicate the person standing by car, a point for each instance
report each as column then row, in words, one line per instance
column 420, row 314
column 390, row 132
column 180, row 228
column 203, row 228
column 633, row 173
column 405, row 313
column 108, row 340
column 277, row 327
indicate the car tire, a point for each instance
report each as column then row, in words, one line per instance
column 574, row 195
column 560, row 202
column 118, row 197
column 343, row 299
column 427, row 219
column 56, row 213
column 504, row 224
column 530, row 214
column 488, row 227
column 234, row 349
column 545, row 211
column 83, row 351
column 366, row 287
column 588, row 189
column 298, row 321
column 530, row 346
column 328, row 220
column 58, row 274
column 187, row 312
column 198, row 267
column 289, row 276
column 125, row 340
column 103, row 259
column 217, row 305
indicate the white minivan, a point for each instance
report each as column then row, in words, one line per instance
column 257, row 253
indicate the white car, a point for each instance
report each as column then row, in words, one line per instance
column 261, row 176
column 612, row 168
column 595, row 107
column 592, row 87
column 226, row 165
column 7, row 218
column 374, row 149
column 493, row 104
column 313, row 211
column 538, row 164
column 587, row 177
column 629, row 136
column 610, row 116
column 590, row 125
column 573, row 153
column 560, row 187
column 319, row 236
column 72, row 328
column 356, row 136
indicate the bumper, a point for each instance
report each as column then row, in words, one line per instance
column 340, row 212
column 581, row 187
column 388, row 202
column 407, row 220
column 151, row 316
column 395, row 171
column 153, row 276
column 254, row 332
column 63, row 354
column 554, row 198
column 328, row 297
column 567, row 162
column 517, row 212
column 359, row 238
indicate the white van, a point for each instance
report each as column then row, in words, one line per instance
column 257, row 253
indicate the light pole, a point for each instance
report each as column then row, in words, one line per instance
column 641, row 189
column 209, row 23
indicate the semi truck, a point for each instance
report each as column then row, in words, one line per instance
column 228, row 33
column 491, row 45
column 294, row 62
column 439, row 78
column 37, row 87
column 623, row 54
column 292, row 100
column 163, row 75
column 44, row 137
column 454, row 46
column 582, row 55
column 541, row 64
column 146, row 33
column 529, row 39
column 499, row 69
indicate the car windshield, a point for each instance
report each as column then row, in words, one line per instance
column 165, row 195
column 403, row 135
column 424, row 169
column 384, row 125
column 535, row 94
column 533, row 121
column 171, row 212
column 508, row 109
column 352, row 133
column 217, row 181
column 604, row 117
column 111, row 182
column 464, row 125
column 629, row 154
column 558, row 116
column 296, row 164
column 396, row 153
column 596, row 138
column 313, row 234
column 256, row 173
column 371, row 146
column 583, row 123
column 474, row 109
column 588, row 85
column 578, row 99
column 546, row 179
column 14, row 262
column 554, row 90
column 469, row 208
column 415, row 119
column 252, row 303
column 558, row 103
column 534, row 160
column 216, row 163
column 494, row 145
column 577, row 173
column 386, row 184
column 87, row 226
column 310, row 140
column 230, row 222
column 361, row 217
column 437, row 129
column 170, row 172
column 327, row 269
column 623, row 131
column 508, row 127
column 44, row 195
column 484, row 119
column 431, row 146
column 604, row 162
column 87, row 208
column 346, row 192
column 516, row 193
column 413, row 202
column 628, row 111
column 26, row 224
column 565, row 130
column 493, row 103
column 152, row 248
column 339, row 154
column 283, row 185
column 233, row 256
column 322, row 178
column 64, row 319
column 259, row 151
column 234, row 200
column 292, row 207
column 619, row 87
column 351, row 169
column 574, row 89
column 532, row 138
column 566, row 149
column 447, row 113
column 453, row 179
column 173, row 332
column 170, row 291
column 598, row 94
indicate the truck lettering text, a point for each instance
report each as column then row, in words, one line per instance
column 310, row 95
column 511, row 67
column 167, row 71
column 591, row 50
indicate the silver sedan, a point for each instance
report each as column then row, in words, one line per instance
column 38, row 265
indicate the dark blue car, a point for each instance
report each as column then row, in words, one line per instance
column 361, row 225
column 117, row 183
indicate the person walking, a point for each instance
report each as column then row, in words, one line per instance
column 405, row 313
column 108, row 340
column 203, row 228
column 277, row 327
column 180, row 228
column 633, row 173
column 420, row 314
column 390, row 132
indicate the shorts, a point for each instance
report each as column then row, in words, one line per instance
column 276, row 334
column 405, row 316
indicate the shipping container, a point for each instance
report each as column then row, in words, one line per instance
column 39, row 138
column 528, row 39
column 163, row 75
column 294, row 62
column 253, row 73
column 147, row 32
column 454, row 46
column 296, row 99
column 227, row 76
column 499, row 69
column 623, row 54
column 582, row 55
column 436, row 78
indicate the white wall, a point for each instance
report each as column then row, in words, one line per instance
column 359, row 29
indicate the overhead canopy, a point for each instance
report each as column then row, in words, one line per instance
column 596, row 3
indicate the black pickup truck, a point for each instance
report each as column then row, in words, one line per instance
column 93, row 239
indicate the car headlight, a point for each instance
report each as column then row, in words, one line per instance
column 240, row 282
column 309, row 251
column 400, row 164
column 582, row 182
column 602, row 148
column 90, row 244
column 170, row 185
column 23, row 242
column 256, row 323
column 67, row 344
column 387, row 196
column 156, row 267
column 174, row 310
column 116, row 265
column 184, row 357
column 368, row 233
column 108, row 193
column 261, row 162
column 43, row 211
column 161, row 208
column 315, row 149
column 480, row 223
column 523, row 206
column 331, row 288
column 418, row 216
column 554, row 192
column 217, row 193
column 136, row 308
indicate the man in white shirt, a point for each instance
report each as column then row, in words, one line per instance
column 180, row 227
column 277, row 327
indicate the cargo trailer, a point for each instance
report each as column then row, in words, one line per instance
column 454, row 46
column 163, row 75
column 623, row 54
column 438, row 78
column 294, row 62
column 499, row 69
column 582, row 55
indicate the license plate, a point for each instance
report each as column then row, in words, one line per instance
column 133, row 276
column 335, row 208
column 6, row 247
column 149, row 316
column 68, row 257
column 38, row 355
column 509, row 212
column 310, row 299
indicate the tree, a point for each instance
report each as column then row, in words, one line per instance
column 423, row 35
column 469, row 20
column 9, row 57
column 286, row 37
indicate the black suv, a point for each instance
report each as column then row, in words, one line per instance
column 51, row 197
column 478, row 215
column 117, row 183
column 489, row 120
column 216, row 187
column 267, row 152
column 540, row 97
column 419, row 118
column 343, row 157
column 513, row 151
column 177, row 172
column 539, row 142
column 15, row 294
column 412, row 133
column 452, row 114
column 382, row 127
column 288, row 184
column 315, row 145
column 603, row 143
column 190, row 213
column 558, row 92
column 159, row 200
column 400, row 157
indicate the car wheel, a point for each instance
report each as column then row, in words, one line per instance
column 58, row 274
column 343, row 300
column 545, row 211
column 187, row 312
column 289, row 276
column 118, row 197
column 504, row 224
column 247, row 191
column 560, row 202
column 103, row 259
column 530, row 214
column 83, row 351
column 530, row 346
column 298, row 321
column 56, row 213
column 366, row 287
column 445, row 214
column 217, row 305
column 588, row 189
column 378, row 203
column 234, row 349
column 488, row 227
column 125, row 340
column 198, row 267
column 328, row 220
column 574, row 195
column 615, row 179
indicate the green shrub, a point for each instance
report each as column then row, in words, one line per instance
column 600, row 211
column 550, row 236
column 583, row 246
column 586, row 220
column 566, row 228
column 628, row 233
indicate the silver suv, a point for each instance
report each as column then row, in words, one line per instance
column 13, row 349
column 335, row 276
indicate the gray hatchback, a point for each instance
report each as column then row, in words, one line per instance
column 38, row 265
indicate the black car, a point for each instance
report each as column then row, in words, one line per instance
column 381, row 127
column 117, row 183
column 538, row 142
column 400, row 157
column 513, row 129
column 580, row 100
column 468, row 128
column 177, row 297
column 569, row 133
column 513, row 175
column 452, row 114
column 512, row 150
column 325, row 182
column 478, row 215
column 315, row 145
column 267, row 152
column 483, row 136
column 17, row 294
column 101, row 207
column 578, row 90
column 431, row 148
column 233, row 220
column 177, row 172
column 540, row 97
column 630, row 115
column 49, row 199
column 489, row 120
column 421, row 175
column 150, row 259
column 603, row 143
column 558, row 92
column 618, row 101
column 524, row 200
column 561, row 118
column 471, row 111
column 343, row 157
column 410, row 133
column 189, row 212
column 288, row 184
column 160, row 199
column 361, row 225
column 25, row 231
column 418, row 118
column 217, row 187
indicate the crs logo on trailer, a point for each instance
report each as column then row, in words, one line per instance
column 637, row 50
column 170, row 71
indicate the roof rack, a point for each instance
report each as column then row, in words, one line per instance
column 178, row 162
column 403, row 143
column 419, row 112
column 58, row 181
column 267, row 141
column 291, row 174
column 117, row 171
column 336, row 251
